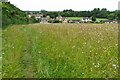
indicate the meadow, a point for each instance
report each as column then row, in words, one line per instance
column 60, row 51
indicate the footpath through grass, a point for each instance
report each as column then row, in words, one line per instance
column 60, row 50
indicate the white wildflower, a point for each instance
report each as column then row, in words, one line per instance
column 104, row 48
column 73, row 47
column 97, row 65
column 90, row 51
column 101, row 39
column 98, row 41
column 114, row 65
column 116, row 44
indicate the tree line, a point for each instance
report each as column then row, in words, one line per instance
column 96, row 12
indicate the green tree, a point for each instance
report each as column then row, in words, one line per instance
column 44, row 12
column 93, row 18
column 111, row 16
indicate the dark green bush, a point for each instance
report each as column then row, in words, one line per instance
column 57, row 21
column 50, row 21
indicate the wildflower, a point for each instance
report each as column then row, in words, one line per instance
column 101, row 39
column 98, row 42
column 90, row 51
column 84, row 38
column 73, row 47
column 91, row 38
column 39, row 51
column 116, row 44
column 90, row 69
column 40, row 32
column 114, row 65
column 97, row 65
column 104, row 48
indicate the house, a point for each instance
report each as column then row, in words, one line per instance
column 44, row 20
column 63, row 19
column 110, row 21
column 86, row 19
column 115, row 21
column 74, row 21
column 38, row 16
column 60, row 18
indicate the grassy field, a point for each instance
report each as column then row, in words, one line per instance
column 60, row 50
column 74, row 18
column 80, row 18
column 101, row 19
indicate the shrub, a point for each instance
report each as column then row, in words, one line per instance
column 57, row 21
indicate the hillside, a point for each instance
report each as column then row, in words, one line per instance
column 13, row 15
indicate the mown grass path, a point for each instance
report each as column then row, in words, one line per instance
column 27, row 58
column 61, row 50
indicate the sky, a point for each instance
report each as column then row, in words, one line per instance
column 60, row 5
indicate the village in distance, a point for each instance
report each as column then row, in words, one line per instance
column 44, row 16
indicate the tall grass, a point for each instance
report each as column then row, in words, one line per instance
column 61, row 50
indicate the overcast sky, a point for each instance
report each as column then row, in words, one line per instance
column 60, row 5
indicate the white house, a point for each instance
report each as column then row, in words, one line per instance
column 86, row 19
column 60, row 18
